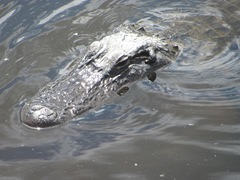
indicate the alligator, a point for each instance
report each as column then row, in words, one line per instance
column 109, row 66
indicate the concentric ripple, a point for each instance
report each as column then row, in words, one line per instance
column 207, row 72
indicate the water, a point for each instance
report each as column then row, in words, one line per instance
column 185, row 125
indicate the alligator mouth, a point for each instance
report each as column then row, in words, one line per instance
column 38, row 116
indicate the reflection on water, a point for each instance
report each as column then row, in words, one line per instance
column 185, row 125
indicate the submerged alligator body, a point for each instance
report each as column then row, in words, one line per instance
column 108, row 67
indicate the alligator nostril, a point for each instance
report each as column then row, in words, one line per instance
column 38, row 116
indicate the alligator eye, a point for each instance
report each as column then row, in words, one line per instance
column 122, row 64
column 150, row 61
column 119, row 67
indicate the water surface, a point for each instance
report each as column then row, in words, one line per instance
column 185, row 125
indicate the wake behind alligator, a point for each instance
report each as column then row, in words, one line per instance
column 108, row 67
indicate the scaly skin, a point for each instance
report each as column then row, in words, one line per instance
column 109, row 65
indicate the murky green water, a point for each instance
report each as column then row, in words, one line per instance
column 185, row 125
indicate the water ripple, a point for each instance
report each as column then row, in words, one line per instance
column 207, row 71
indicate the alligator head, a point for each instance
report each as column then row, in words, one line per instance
column 108, row 66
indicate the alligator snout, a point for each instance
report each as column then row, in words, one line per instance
column 38, row 116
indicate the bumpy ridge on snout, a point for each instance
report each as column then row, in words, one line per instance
column 38, row 116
